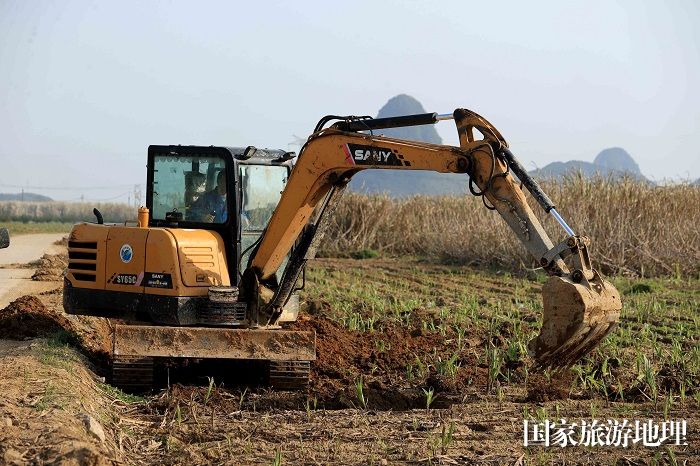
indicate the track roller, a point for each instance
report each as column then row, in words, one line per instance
column 132, row 374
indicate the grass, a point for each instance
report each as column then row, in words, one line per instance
column 365, row 254
column 277, row 459
column 116, row 393
column 360, row 393
column 447, row 366
column 51, row 397
column 446, row 437
column 210, row 390
column 654, row 353
column 57, row 211
column 429, row 397
column 56, row 351
column 24, row 228
column 459, row 230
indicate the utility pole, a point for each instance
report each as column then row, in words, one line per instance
column 137, row 195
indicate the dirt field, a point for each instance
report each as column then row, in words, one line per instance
column 417, row 363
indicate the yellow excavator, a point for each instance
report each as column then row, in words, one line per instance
column 211, row 267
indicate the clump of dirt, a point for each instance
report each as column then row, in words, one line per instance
column 541, row 388
column 50, row 267
column 27, row 317
column 62, row 242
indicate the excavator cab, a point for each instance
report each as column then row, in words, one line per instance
column 230, row 191
column 206, row 208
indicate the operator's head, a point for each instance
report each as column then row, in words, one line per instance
column 221, row 182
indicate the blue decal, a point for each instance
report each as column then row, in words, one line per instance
column 126, row 253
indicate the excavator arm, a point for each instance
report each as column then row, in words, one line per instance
column 580, row 308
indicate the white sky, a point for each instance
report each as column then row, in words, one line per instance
column 85, row 87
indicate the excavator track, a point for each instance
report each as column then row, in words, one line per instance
column 132, row 374
column 289, row 375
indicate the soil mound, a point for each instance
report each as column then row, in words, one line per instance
column 393, row 362
column 42, row 316
column 50, row 267
column 27, row 317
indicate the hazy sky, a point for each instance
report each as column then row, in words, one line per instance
column 85, row 87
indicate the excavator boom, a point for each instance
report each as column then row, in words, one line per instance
column 580, row 308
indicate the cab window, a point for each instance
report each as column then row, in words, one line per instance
column 262, row 187
column 191, row 189
column 261, row 190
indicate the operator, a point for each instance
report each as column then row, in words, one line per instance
column 211, row 207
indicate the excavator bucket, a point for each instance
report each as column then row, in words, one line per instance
column 577, row 316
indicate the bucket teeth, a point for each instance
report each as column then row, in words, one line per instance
column 576, row 319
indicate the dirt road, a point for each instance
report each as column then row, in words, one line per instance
column 15, row 274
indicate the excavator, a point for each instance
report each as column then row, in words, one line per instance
column 211, row 268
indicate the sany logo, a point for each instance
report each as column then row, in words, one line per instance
column 357, row 154
column 372, row 155
column 380, row 156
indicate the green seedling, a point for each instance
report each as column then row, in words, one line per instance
column 277, row 459
column 446, row 437
column 210, row 390
column 429, row 397
column 359, row 392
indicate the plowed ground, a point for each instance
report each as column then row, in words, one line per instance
column 417, row 363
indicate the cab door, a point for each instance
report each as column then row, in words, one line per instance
column 261, row 190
